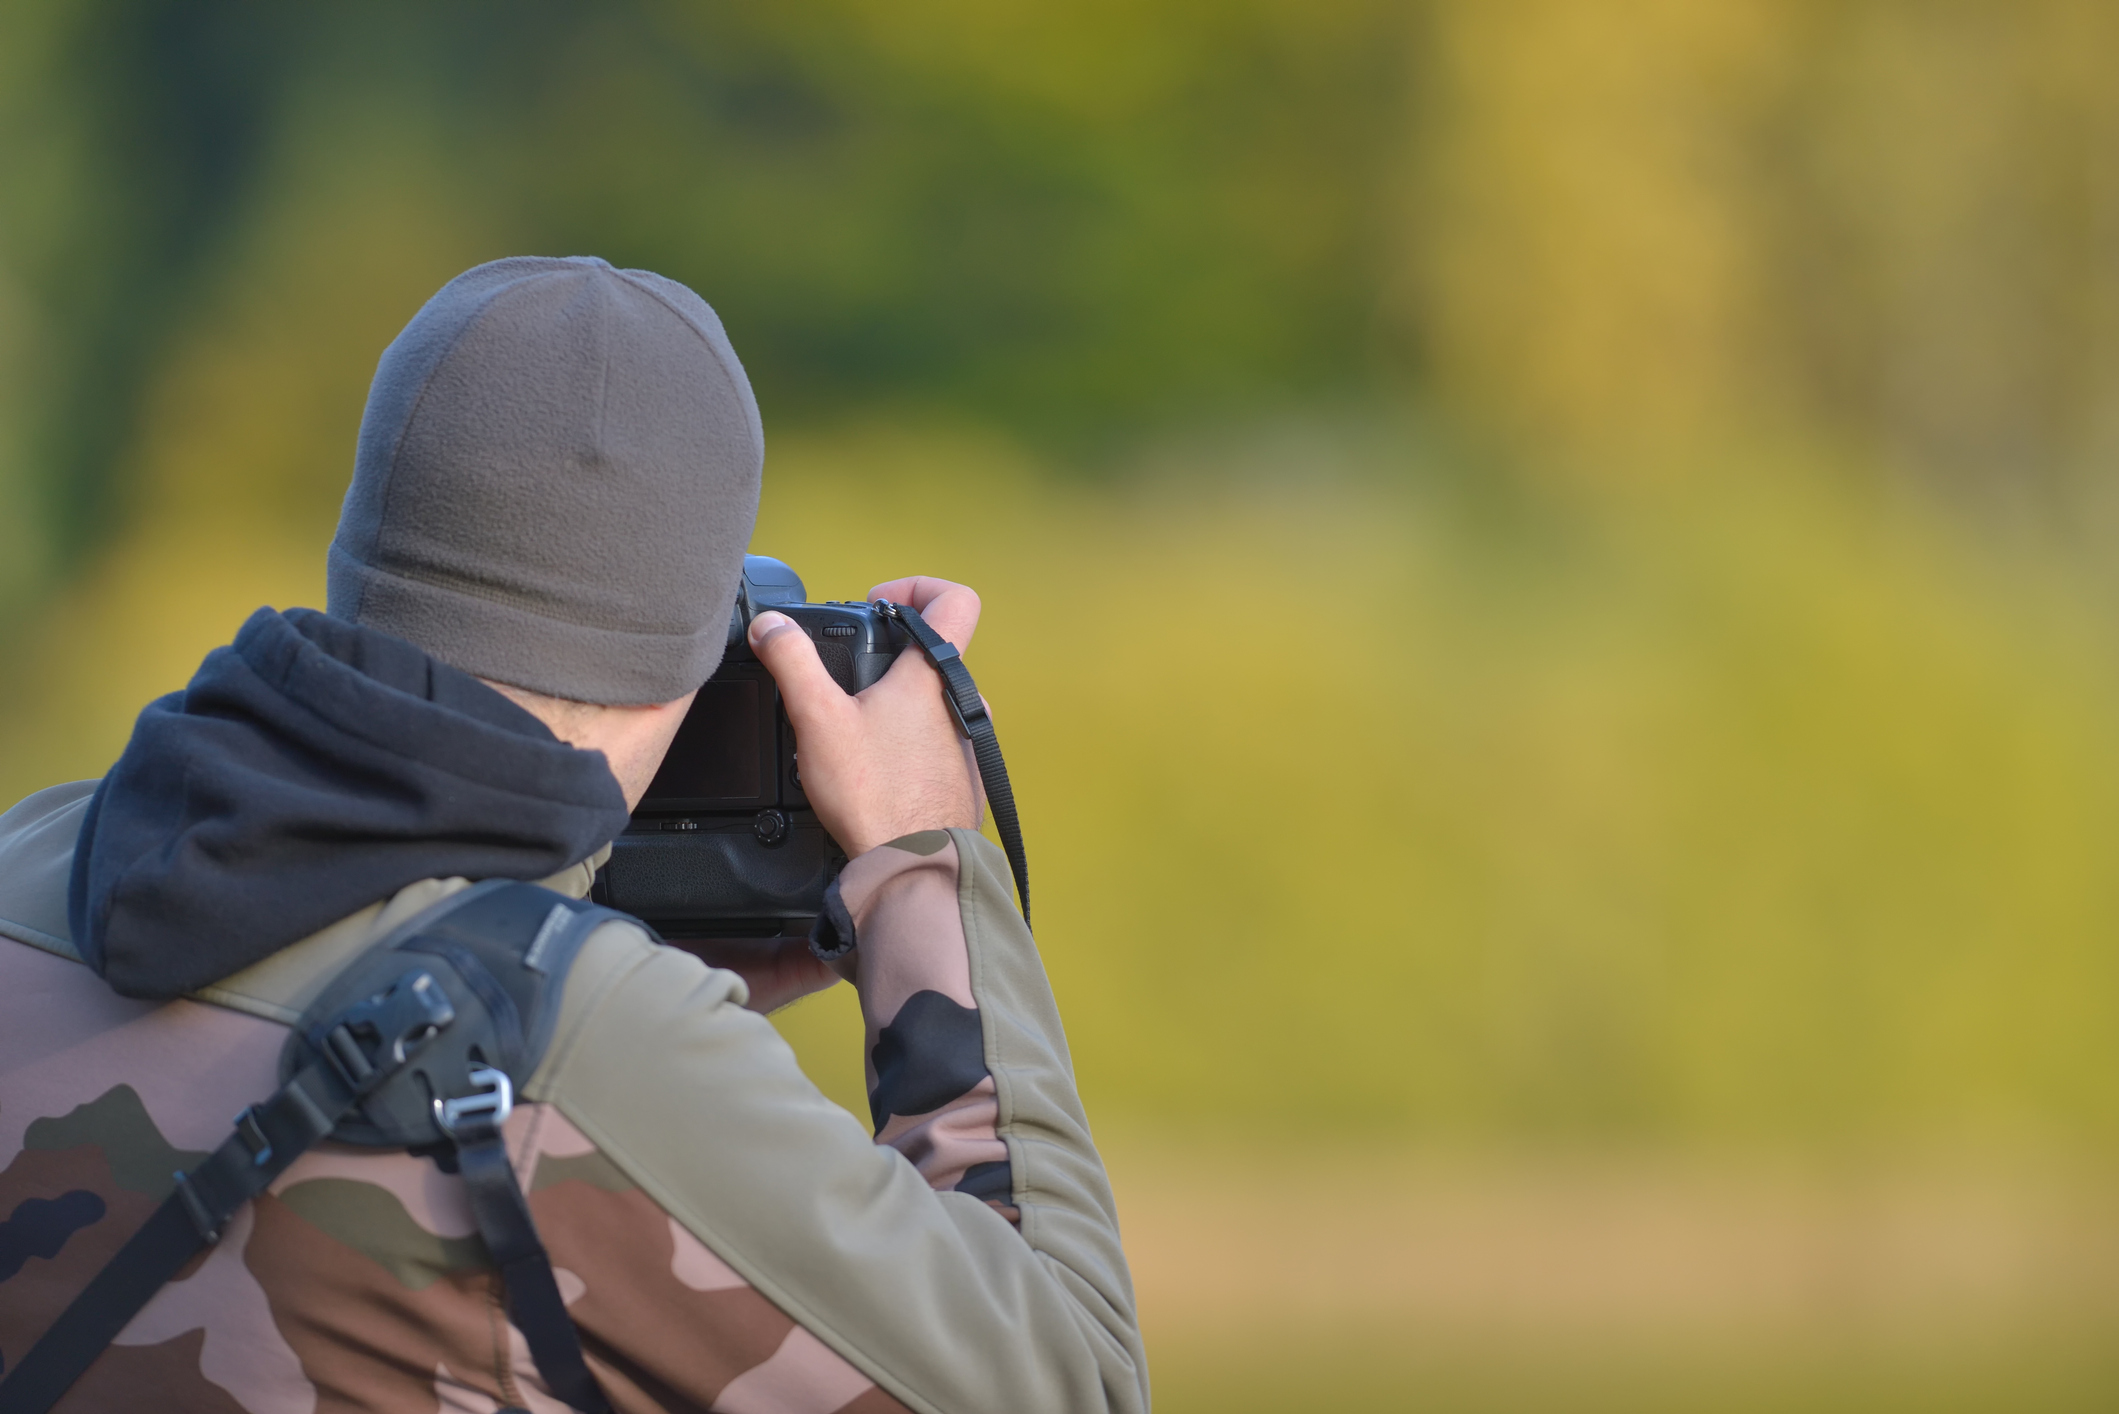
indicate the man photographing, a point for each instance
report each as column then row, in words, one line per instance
column 556, row 478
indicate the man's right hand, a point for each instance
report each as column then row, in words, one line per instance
column 888, row 761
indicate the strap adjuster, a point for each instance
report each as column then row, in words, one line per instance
column 202, row 1219
column 487, row 1107
column 252, row 1134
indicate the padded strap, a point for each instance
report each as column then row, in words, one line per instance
column 973, row 720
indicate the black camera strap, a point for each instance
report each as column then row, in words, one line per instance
column 535, row 1304
column 973, row 720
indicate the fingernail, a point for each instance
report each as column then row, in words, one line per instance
column 765, row 623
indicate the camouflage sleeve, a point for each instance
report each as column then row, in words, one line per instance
column 970, row 1259
column 930, row 1094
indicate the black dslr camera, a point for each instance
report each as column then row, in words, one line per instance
column 724, row 845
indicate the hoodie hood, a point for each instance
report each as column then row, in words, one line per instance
column 311, row 768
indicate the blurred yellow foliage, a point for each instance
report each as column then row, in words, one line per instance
column 1643, row 232
column 1743, row 814
column 1586, row 247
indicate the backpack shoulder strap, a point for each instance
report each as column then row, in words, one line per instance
column 508, row 948
column 505, row 950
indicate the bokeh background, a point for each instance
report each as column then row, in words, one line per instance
column 1549, row 570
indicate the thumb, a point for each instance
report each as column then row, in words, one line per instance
column 805, row 687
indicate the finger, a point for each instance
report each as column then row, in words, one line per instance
column 777, row 970
column 810, row 694
column 952, row 610
column 920, row 590
column 905, row 591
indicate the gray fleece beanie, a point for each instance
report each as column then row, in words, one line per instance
column 556, row 479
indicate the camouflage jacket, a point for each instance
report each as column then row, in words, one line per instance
column 726, row 1237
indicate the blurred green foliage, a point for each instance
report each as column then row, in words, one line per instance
column 1070, row 222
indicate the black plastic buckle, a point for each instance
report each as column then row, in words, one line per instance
column 965, row 704
column 373, row 1038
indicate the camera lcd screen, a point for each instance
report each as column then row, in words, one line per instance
column 717, row 754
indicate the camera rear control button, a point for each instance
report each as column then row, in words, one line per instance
column 840, row 630
column 770, row 827
column 680, row 824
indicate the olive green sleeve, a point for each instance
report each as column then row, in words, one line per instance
column 932, row 1293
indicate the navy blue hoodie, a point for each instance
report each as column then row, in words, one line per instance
column 311, row 768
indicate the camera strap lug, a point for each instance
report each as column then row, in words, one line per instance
column 973, row 720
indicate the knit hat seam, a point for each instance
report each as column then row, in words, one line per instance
column 404, row 429
column 603, row 392
column 745, row 398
